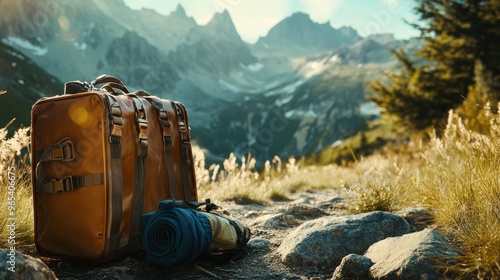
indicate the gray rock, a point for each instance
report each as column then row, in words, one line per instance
column 19, row 266
column 303, row 212
column 411, row 256
column 325, row 241
column 275, row 221
column 418, row 217
column 353, row 267
column 258, row 243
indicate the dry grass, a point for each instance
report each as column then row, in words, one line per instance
column 14, row 173
column 240, row 181
column 373, row 191
column 458, row 177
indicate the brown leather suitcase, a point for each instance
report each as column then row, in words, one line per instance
column 101, row 157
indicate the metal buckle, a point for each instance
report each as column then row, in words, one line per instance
column 115, row 109
column 64, row 184
column 57, row 153
column 163, row 114
column 67, row 183
column 182, row 127
column 63, row 151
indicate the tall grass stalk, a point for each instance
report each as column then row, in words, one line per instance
column 15, row 172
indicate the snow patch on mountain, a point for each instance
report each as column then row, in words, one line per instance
column 254, row 67
column 281, row 102
column 229, row 86
column 299, row 114
column 25, row 44
column 315, row 67
column 369, row 109
column 80, row 46
column 14, row 53
column 290, row 88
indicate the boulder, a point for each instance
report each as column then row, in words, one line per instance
column 411, row 256
column 325, row 241
column 275, row 221
column 353, row 267
column 16, row 265
column 258, row 243
column 418, row 217
column 303, row 212
column 290, row 216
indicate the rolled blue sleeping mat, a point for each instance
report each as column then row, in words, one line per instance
column 175, row 236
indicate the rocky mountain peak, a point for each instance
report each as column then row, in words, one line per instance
column 301, row 32
column 348, row 31
column 222, row 24
column 298, row 17
column 131, row 48
column 180, row 11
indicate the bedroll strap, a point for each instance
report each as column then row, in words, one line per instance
column 142, row 151
column 116, row 172
column 243, row 236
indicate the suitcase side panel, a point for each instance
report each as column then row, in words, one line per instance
column 180, row 148
column 72, row 223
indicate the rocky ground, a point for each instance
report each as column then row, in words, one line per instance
column 269, row 225
column 309, row 236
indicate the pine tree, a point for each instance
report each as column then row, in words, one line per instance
column 456, row 34
column 481, row 99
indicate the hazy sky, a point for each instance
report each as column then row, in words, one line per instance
column 254, row 18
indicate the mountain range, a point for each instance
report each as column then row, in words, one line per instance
column 295, row 91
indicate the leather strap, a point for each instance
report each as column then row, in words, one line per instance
column 116, row 172
column 60, row 151
column 70, row 183
column 106, row 79
column 135, row 237
column 186, row 157
column 111, row 86
column 186, row 182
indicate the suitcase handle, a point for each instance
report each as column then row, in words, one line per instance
column 140, row 93
column 111, row 86
column 106, row 79
column 111, row 82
